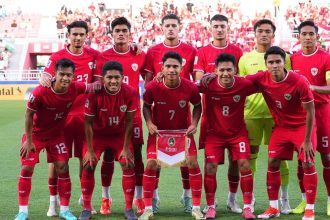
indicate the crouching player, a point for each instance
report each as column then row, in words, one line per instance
column 46, row 112
column 108, row 125
column 170, row 100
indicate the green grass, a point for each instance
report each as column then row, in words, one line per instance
column 12, row 126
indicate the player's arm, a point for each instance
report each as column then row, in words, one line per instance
column 148, row 77
column 45, row 79
column 322, row 89
column 126, row 153
column 152, row 128
column 196, row 115
column 90, row 157
column 28, row 145
column 198, row 75
column 307, row 144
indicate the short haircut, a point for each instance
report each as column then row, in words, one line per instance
column 171, row 16
column 264, row 21
column 120, row 21
column 112, row 65
column 307, row 23
column 225, row 57
column 172, row 55
column 276, row 51
column 77, row 24
column 219, row 17
column 64, row 63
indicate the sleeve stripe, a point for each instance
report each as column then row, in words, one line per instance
column 198, row 70
column 148, row 71
column 147, row 103
column 197, row 104
column 134, row 110
column 89, row 114
column 47, row 74
column 308, row 101
column 31, row 109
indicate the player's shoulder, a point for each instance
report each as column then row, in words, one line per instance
column 127, row 89
column 91, row 51
column 235, row 48
column 152, row 84
column 59, row 54
column 188, row 83
column 296, row 54
column 155, row 47
column 187, row 46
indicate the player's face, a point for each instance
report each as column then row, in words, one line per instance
column 112, row 80
column 63, row 77
column 264, row 34
column 171, row 70
column 308, row 36
column 275, row 65
column 219, row 30
column 77, row 37
column 226, row 71
column 120, row 34
column 171, row 29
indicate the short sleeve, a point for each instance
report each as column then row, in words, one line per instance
column 35, row 100
column 199, row 64
column 98, row 65
column 147, row 96
column 50, row 66
column 90, row 105
column 305, row 93
column 148, row 67
column 195, row 97
column 132, row 104
column 81, row 88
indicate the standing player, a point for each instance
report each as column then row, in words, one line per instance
column 84, row 60
column 205, row 63
column 171, row 26
column 258, row 119
column 171, row 99
column 108, row 123
column 224, row 102
column 45, row 116
column 132, row 64
column 314, row 64
column 290, row 101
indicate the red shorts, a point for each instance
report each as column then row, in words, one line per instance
column 115, row 143
column 137, row 134
column 215, row 146
column 74, row 133
column 284, row 141
column 151, row 147
column 322, row 118
column 55, row 148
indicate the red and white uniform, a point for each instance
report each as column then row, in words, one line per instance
column 171, row 109
column 314, row 68
column 284, row 100
column 133, row 66
column 84, row 72
column 225, row 106
column 51, row 110
column 155, row 54
column 109, row 111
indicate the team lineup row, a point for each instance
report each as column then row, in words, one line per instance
column 109, row 118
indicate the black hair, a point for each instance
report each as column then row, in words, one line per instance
column 307, row 23
column 172, row 55
column 77, row 24
column 120, row 21
column 219, row 17
column 275, row 50
column 64, row 63
column 225, row 57
column 171, row 16
column 112, row 65
column 264, row 21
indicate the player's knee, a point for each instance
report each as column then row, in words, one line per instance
column 28, row 168
column 307, row 165
column 325, row 160
column 62, row 167
column 244, row 165
column 274, row 163
column 192, row 163
column 211, row 168
column 152, row 165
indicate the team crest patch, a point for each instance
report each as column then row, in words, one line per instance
column 182, row 103
column 314, row 71
column 86, row 103
column 287, row 97
column 171, row 142
column 184, row 61
column 123, row 108
column 135, row 66
column 31, row 98
column 90, row 65
column 196, row 60
column 69, row 105
column 236, row 98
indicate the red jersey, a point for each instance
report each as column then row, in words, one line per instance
column 110, row 110
column 206, row 56
column 284, row 98
column 171, row 105
column 314, row 68
column 52, row 108
column 84, row 72
column 155, row 54
column 225, row 106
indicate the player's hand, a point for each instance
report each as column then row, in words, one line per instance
column 128, row 156
column 45, row 80
column 89, row 159
column 308, row 151
column 207, row 78
column 26, row 148
column 95, row 87
column 138, row 48
column 159, row 77
column 152, row 128
column 191, row 130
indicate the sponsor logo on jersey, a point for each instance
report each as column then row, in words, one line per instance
column 236, row 98
column 161, row 103
column 314, row 71
column 215, row 98
column 103, row 109
column 91, row 65
column 184, row 61
column 31, row 98
column 171, row 142
column 86, row 103
column 123, row 108
column 182, row 103
column 69, row 105
column 287, row 97
column 135, row 66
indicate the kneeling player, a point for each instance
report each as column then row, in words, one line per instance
column 224, row 101
column 108, row 125
column 171, row 100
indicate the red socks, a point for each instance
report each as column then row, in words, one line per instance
column 64, row 188
column 185, row 177
column 107, row 169
column 273, row 182
column 87, row 187
column 195, row 178
column 24, row 187
column 149, row 182
column 300, row 175
column 210, row 186
column 233, row 182
column 247, row 186
column 310, row 184
column 52, row 186
column 128, row 184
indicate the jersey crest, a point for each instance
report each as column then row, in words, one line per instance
column 314, row 71
column 236, row 98
column 182, row 103
column 86, row 103
column 171, row 142
column 90, row 65
column 135, row 66
column 287, row 97
column 123, row 108
column 184, row 61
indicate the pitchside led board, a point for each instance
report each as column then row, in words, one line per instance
column 172, row 147
column 16, row 90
